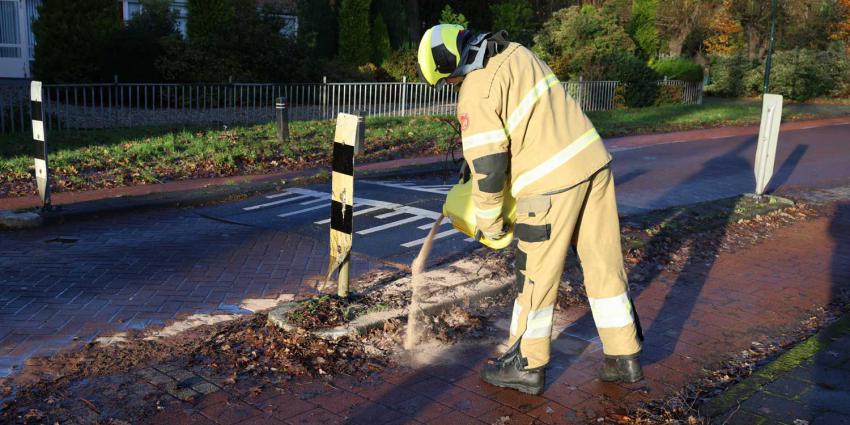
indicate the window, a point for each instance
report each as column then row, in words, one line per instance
column 10, row 30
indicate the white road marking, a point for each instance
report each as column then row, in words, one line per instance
column 268, row 204
column 389, row 225
column 408, row 186
column 328, row 199
column 430, row 225
column 391, row 214
column 437, row 236
column 358, row 212
column 278, row 195
column 301, row 211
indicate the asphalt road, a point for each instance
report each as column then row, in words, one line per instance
column 392, row 217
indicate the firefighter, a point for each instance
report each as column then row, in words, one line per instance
column 520, row 128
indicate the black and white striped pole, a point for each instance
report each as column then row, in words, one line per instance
column 42, row 171
column 348, row 140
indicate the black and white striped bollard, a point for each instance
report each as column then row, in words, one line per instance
column 42, row 171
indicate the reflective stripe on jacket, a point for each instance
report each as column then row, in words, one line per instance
column 517, row 119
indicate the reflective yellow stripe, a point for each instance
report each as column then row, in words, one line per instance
column 485, row 138
column 515, row 317
column 489, row 212
column 611, row 312
column 529, row 100
column 524, row 107
column 554, row 162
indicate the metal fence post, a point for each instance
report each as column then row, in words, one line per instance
column 282, row 115
column 403, row 95
column 324, row 97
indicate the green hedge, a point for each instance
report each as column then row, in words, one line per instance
column 678, row 69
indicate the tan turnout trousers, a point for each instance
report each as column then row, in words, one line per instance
column 521, row 128
column 546, row 226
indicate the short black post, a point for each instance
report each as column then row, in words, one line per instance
column 282, row 116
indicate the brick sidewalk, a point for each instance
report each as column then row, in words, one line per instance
column 129, row 271
column 691, row 320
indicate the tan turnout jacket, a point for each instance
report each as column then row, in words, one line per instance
column 517, row 120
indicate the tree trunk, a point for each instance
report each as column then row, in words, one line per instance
column 413, row 24
column 675, row 44
column 753, row 42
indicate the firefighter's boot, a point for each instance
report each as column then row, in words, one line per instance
column 509, row 371
column 625, row 369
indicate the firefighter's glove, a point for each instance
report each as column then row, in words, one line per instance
column 493, row 236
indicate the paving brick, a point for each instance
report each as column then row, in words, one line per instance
column 284, row 406
column 776, row 408
column 788, row 387
column 316, row 416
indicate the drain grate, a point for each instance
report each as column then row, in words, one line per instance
column 63, row 240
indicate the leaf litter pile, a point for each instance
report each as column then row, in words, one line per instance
column 247, row 348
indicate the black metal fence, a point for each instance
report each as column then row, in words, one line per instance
column 89, row 106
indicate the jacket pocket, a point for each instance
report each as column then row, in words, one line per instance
column 532, row 219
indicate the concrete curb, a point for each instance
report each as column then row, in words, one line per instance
column 20, row 220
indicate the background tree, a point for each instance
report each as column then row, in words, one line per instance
column 136, row 49
column 235, row 40
column 72, row 40
column 515, row 17
column 725, row 31
column 678, row 19
column 754, row 18
column 808, row 23
column 571, row 40
column 449, row 16
column 354, row 33
column 642, row 28
column 318, row 27
column 380, row 41
column 840, row 30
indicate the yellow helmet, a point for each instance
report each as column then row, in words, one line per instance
column 439, row 52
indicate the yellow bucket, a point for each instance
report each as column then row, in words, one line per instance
column 460, row 209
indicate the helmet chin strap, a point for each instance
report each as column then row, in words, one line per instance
column 484, row 45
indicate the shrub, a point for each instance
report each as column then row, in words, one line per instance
column 73, row 39
column 402, row 63
column 573, row 38
column 679, row 69
column 800, row 74
column 727, row 75
column 840, row 67
column 639, row 80
column 670, row 95
column 355, row 46
column 516, row 17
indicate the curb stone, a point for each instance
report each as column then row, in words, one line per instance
column 20, row 220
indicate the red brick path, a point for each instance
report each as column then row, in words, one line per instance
column 129, row 271
column 704, row 315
